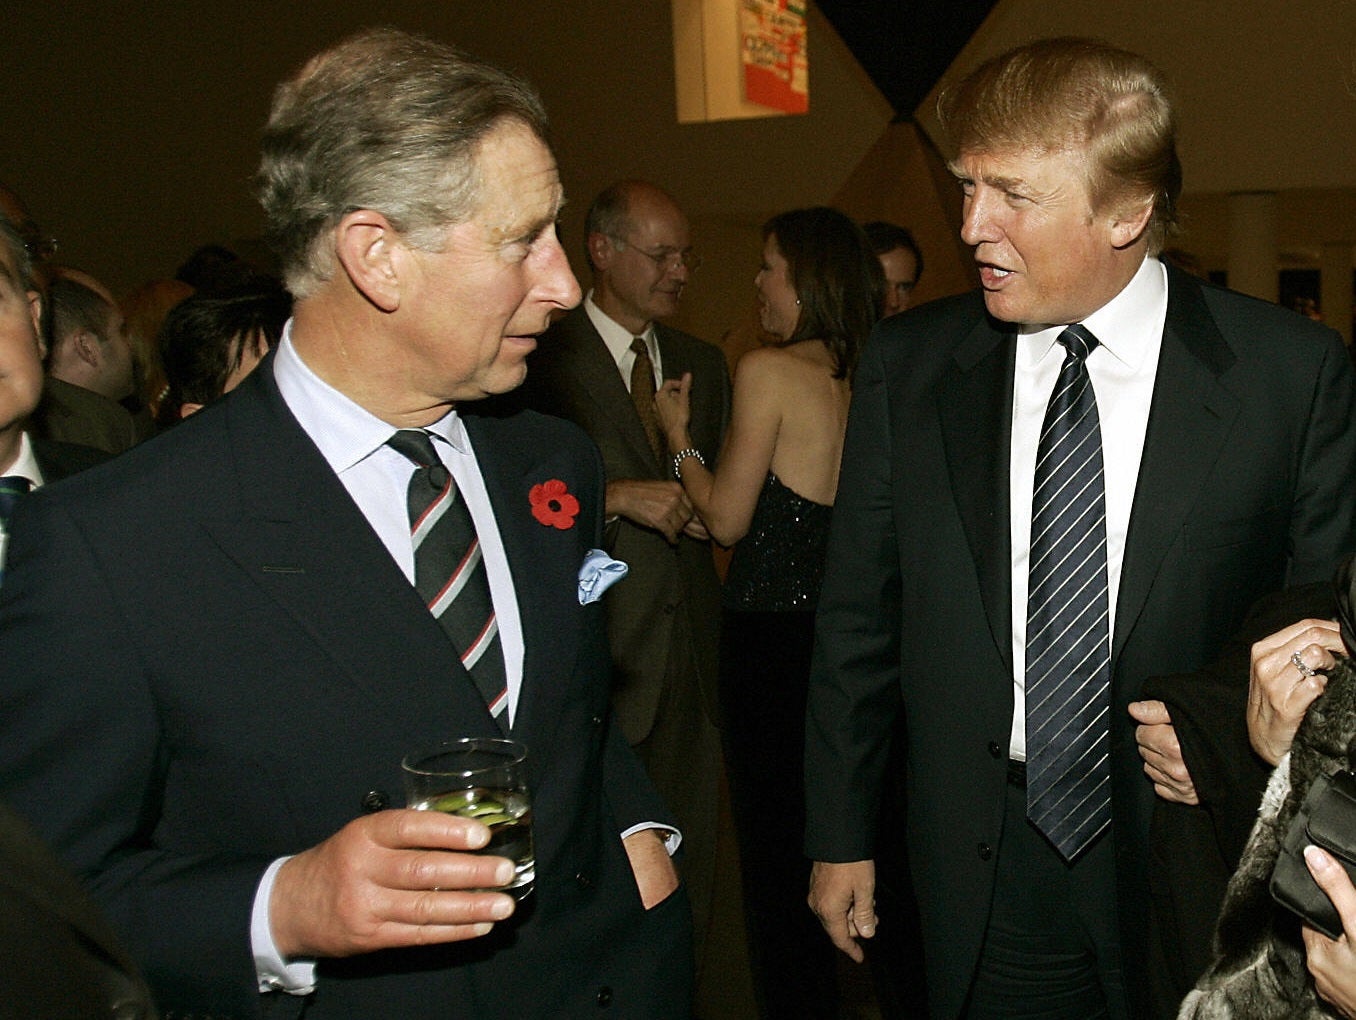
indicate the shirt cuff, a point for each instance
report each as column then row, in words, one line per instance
column 672, row 837
column 276, row 974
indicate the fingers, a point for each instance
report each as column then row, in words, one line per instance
column 1332, row 962
column 1316, row 643
column 1283, row 682
column 396, row 878
column 1149, row 713
column 1334, row 881
column 1162, row 754
column 842, row 896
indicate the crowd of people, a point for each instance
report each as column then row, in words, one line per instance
column 982, row 656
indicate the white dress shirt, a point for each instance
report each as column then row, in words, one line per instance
column 1122, row 369
column 353, row 442
column 618, row 340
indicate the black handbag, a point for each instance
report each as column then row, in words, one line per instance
column 1326, row 819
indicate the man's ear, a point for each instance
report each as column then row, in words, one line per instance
column 365, row 244
column 601, row 251
column 1131, row 222
column 87, row 347
column 35, row 313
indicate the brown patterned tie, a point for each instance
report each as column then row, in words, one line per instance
column 642, row 395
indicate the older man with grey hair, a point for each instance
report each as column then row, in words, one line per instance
column 252, row 635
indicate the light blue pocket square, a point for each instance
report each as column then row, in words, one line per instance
column 599, row 573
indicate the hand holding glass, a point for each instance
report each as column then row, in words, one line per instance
column 481, row 778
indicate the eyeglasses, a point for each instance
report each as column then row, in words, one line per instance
column 664, row 259
column 38, row 245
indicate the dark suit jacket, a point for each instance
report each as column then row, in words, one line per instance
column 72, row 414
column 58, row 957
column 573, row 375
column 218, row 663
column 1244, row 486
column 60, row 460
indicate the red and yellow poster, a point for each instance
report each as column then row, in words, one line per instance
column 776, row 69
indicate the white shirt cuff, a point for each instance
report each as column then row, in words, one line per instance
column 672, row 837
column 275, row 974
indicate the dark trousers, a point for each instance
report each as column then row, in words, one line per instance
column 1051, row 951
column 765, row 667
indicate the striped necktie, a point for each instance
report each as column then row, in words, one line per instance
column 449, row 571
column 12, row 489
column 1068, row 642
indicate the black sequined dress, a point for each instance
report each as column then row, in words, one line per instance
column 767, row 633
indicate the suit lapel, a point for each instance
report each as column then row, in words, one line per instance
column 595, row 373
column 544, row 562
column 1189, row 421
column 301, row 538
column 974, row 406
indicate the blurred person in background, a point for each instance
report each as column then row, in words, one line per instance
column 819, row 288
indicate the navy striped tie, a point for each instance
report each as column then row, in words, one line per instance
column 449, row 571
column 12, row 489
column 1068, row 637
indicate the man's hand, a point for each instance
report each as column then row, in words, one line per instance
column 656, row 877
column 395, row 878
column 662, row 506
column 1162, row 754
column 1333, row 963
column 1279, row 692
column 843, row 897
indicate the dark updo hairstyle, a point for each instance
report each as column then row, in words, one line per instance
column 837, row 278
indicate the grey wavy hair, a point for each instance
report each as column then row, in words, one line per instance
column 387, row 121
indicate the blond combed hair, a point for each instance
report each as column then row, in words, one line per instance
column 1082, row 95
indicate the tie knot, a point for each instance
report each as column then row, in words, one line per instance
column 416, row 445
column 14, row 485
column 1078, row 341
column 639, row 345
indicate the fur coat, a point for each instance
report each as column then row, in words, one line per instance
column 1258, row 971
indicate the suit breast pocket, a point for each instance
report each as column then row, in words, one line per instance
column 1264, row 528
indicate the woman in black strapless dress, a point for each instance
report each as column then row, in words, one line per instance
column 819, row 288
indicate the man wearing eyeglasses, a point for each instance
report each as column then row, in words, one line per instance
column 599, row 366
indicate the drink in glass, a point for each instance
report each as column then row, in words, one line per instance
column 481, row 778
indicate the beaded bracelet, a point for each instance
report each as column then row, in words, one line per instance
column 683, row 455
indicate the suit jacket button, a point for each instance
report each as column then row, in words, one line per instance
column 374, row 801
column 985, row 851
column 583, row 880
column 995, row 749
column 597, row 720
column 604, row 997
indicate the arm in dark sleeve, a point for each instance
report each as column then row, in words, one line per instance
column 854, row 683
column 1209, row 711
column 1323, row 510
column 82, row 757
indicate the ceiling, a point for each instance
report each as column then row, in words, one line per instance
column 905, row 46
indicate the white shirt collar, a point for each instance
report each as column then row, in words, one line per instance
column 617, row 337
column 1126, row 326
column 26, row 463
column 345, row 432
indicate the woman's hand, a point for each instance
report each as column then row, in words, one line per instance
column 673, row 407
column 1333, row 963
column 1279, row 692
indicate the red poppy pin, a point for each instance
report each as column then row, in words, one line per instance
column 553, row 505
